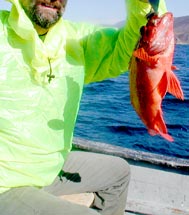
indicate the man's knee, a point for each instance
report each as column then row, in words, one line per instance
column 121, row 170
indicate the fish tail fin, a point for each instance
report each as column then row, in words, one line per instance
column 174, row 86
column 166, row 136
column 160, row 127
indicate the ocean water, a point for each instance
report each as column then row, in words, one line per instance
column 106, row 114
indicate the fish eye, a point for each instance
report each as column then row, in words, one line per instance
column 154, row 22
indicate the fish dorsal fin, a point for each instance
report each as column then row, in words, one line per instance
column 174, row 86
column 163, row 84
column 143, row 55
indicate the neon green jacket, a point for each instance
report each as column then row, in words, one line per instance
column 37, row 118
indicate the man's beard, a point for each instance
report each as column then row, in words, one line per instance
column 45, row 18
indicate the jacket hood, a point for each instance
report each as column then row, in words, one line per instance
column 19, row 20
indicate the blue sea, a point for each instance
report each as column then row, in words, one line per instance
column 106, row 114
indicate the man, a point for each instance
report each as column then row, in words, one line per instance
column 44, row 62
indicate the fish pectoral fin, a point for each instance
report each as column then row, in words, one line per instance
column 162, row 86
column 174, row 86
column 143, row 55
column 173, row 67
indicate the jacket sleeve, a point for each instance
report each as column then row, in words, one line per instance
column 107, row 51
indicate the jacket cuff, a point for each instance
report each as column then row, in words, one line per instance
column 137, row 11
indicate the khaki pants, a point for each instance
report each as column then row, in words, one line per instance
column 106, row 176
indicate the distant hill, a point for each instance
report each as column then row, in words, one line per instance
column 181, row 28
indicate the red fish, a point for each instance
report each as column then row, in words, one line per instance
column 151, row 73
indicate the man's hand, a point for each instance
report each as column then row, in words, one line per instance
column 154, row 3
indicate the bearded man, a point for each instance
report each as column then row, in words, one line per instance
column 44, row 63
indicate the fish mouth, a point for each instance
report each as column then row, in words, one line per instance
column 158, row 33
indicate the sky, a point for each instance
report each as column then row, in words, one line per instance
column 107, row 11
